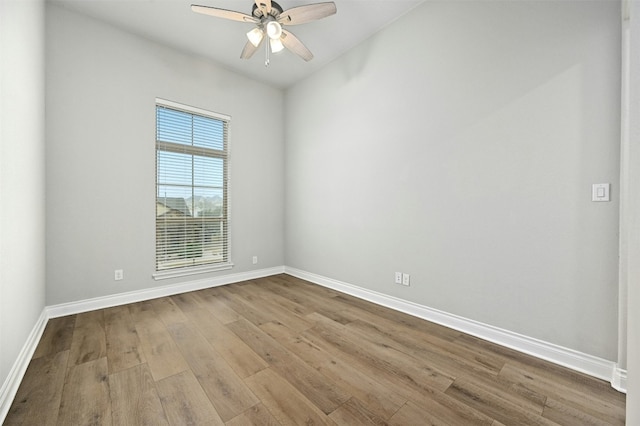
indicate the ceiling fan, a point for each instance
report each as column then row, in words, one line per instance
column 270, row 20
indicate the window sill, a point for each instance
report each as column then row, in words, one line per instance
column 195, row 270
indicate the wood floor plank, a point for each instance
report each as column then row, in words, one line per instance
column 225, row 389
column 434, row 412
column 303, row 348
column 57, row 336
column 494, row 405
column 294, row 293
column 420, row 344
column 85, row 397
column 313, row 385
column 383, row 357
column 341, row 316
column 37, row 401
column 89, row 339
column 391, row 314
column 607, row 406
column 141, row 311
column 134, row 398
column 354, row 413
column 124, row 349
column 184, row 401
column 187, row 301
column 160, row 351
column 167, row 310
column 568, row 416
column 525, row 399
column 258, row 415
column 301, row 285
column 422, row 395
column 381, row 401
column 246, row 309
column 244, row 361
column 399, row 317
column 257, row 286
column 216, row 302
column 285, row 402
column 410, row 414
column 276, row 313
column 552, row 372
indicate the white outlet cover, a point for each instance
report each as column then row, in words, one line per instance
column 406, row 279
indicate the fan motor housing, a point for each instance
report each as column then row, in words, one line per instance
column 276, row 10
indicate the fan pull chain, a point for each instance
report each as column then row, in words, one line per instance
column 266, row 50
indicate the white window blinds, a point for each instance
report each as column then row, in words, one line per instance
column 192, row 197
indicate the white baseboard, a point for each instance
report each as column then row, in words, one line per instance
column 12, row 382
column 155, row 292
column 619, row 381
column 584, row 363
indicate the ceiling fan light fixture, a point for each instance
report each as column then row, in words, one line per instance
column 269, row 18
column 274, row 30
column 255, row 36
column 276, row 45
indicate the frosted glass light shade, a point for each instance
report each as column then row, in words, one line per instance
column 274, row 30
column 276, row 45
column 255, row 36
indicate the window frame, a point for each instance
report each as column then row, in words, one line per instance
column 190, row 150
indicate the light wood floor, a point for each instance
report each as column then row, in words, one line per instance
column 281, row 351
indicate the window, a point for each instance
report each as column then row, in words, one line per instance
column 192, row 200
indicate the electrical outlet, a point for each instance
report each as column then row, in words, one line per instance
column 119, row 274
column 398, row 277
column 255, row 260
column 405, row 279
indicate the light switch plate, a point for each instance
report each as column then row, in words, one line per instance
column 600, row 192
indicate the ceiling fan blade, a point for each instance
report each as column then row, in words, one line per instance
column 223, row 13
column 250, row 49
column 264, row 6
column 310, row 12
column 292, row 43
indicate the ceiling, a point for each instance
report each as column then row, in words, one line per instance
column 171, row 22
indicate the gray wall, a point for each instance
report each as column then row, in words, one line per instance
column 631, row 253
column 22, row 151
column 459, row 145
column 101, row 88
